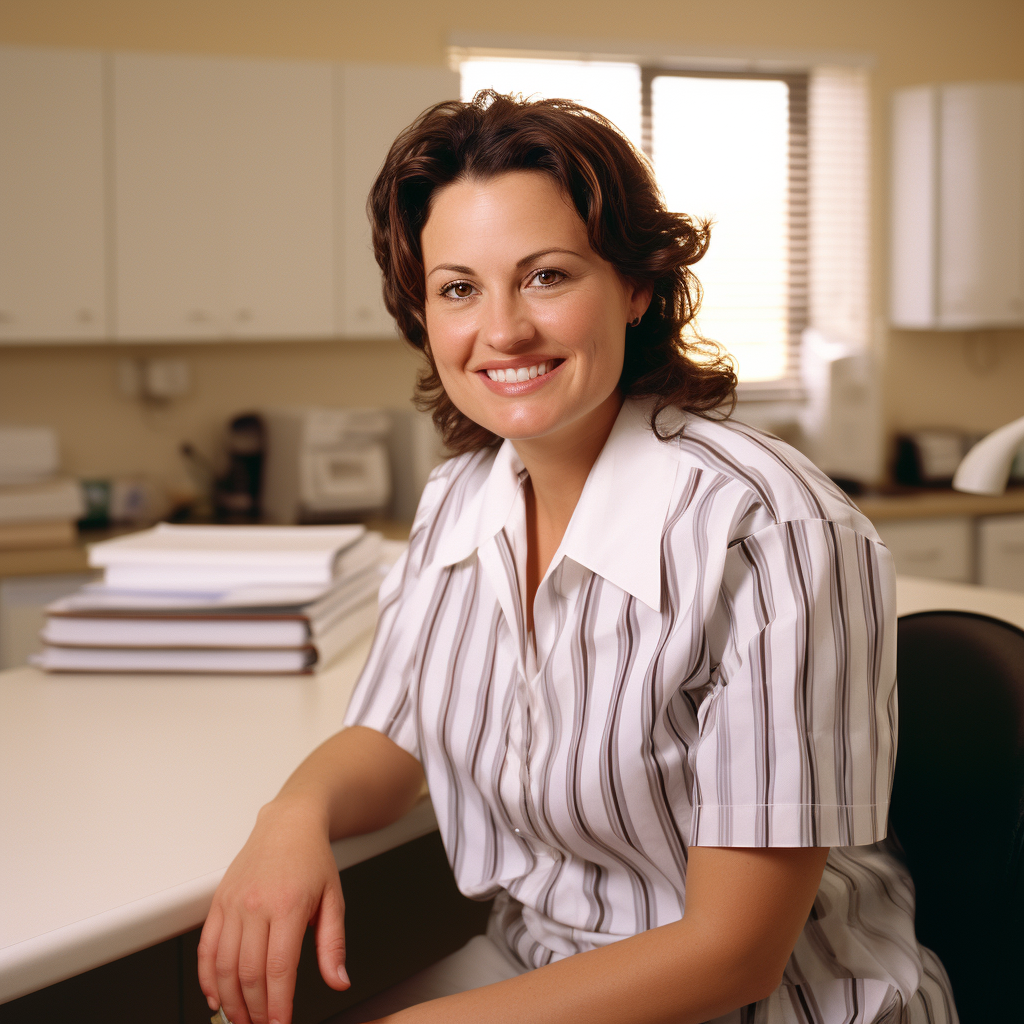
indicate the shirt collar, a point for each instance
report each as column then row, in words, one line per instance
column 616, row 529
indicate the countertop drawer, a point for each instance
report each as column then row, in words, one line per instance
column 938, row 549
column 1001, row 552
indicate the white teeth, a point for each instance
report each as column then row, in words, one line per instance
column 511, row 376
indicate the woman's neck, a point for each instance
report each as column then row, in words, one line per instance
column 558, row 467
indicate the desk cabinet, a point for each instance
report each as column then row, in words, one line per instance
column 939, row 549
column 52, row 214
column 1001, row 552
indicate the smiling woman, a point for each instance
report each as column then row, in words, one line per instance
column 643, row 656
column 570, row 164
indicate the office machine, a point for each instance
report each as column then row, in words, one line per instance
column 325, row 465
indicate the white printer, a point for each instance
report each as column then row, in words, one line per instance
column 325, row 465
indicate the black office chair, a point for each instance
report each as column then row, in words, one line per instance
column 958, row 798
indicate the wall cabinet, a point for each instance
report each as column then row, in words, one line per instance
column 957, row 252
column 373, row 103
column 52, row 203
column 149, row 197
column 223, row 198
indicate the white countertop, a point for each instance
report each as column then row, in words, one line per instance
column 124, row 798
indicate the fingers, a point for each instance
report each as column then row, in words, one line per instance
column 207, row 953
column 252, row 970
column 229, row 990
column 330, row 937
column 283, row 949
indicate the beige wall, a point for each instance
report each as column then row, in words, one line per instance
column 929, row 378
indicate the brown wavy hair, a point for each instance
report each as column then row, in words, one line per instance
column 612, row 188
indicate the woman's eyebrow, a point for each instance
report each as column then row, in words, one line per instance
column 458, row 268
column 455, row 268
column 544, row 252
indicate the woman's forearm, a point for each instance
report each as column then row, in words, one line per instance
column 745, row 909
column 668, row 975
column 355, row 782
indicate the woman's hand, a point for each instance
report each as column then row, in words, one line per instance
column 283, row 879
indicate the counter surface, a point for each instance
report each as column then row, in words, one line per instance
column 124, row 798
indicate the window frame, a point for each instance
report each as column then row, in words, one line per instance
column 787, row 387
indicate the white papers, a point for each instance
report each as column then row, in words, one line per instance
column 306, row 593
column 175, row 544
column 222, row 558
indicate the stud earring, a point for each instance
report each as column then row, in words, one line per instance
column 633, row 322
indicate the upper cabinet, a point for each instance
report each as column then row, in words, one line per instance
column 223, row 192
column 373, row 103
column 957, row 253
column 153, row 197
column 52, row 204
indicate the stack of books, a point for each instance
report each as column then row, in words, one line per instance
column 38, row 509
column 252, row 599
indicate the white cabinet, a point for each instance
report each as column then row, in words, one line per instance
column 149, row 197
column 1001, row 552
column 939, row 549
column 373, row 103
column 223, row 190
column 957, row 253
column 52, row 222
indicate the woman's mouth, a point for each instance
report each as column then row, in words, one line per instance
column 523, row 373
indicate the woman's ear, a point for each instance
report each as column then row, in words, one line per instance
column 643, row 292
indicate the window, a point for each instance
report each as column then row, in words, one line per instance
column 735, row 147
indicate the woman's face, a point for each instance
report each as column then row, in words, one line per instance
column 526, row 322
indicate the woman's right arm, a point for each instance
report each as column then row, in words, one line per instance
column 285, row 877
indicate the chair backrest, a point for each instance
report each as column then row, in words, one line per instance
column 957, row 801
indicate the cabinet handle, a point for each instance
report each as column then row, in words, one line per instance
column 364, row 313
column 85, row 316
column 244, row 316
column 198, row 316
column 931, row 555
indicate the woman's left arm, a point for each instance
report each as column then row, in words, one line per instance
column 745, row 909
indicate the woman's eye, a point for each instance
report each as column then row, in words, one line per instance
column 457, row 290
column 546, row 278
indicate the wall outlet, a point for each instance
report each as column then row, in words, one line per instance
column 159, row 379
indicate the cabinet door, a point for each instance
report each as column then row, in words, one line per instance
column 981, row 206
column 938, row 549
column 279, row 201
column 170, row 158
column 52, row 225
column 1001, row 552
column 223, row 190
column 373, row 104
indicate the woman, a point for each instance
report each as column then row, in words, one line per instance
column 644, row 657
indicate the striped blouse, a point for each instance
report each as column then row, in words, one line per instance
column 713, row 664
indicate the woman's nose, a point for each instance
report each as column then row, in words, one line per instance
column 506, row 322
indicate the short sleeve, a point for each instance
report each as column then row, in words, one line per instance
column 797, row 737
